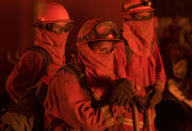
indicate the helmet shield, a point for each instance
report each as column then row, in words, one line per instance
column 131, row 6
column 101, row 31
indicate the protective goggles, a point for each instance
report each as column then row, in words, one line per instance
column 103, row 31
column 139, row 16
column 144, row 3
column 59, row 29
column 55, row 27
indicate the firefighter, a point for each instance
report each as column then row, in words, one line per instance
column 78, row 96
column 144, row 68
column 27, row 83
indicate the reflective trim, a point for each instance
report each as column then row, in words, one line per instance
column 109, row 120
column 129, row 122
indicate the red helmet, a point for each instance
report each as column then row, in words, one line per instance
column 132, row 6
column 98, row 30
column 53, row 12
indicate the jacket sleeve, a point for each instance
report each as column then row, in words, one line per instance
column 23, row 74
column 67, row 101
column 160, row 71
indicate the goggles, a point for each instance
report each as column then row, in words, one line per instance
column 58, row 29
column 139, row 16
column 103, row 31
column 144, row 3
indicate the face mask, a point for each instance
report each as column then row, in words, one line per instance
column 97, row 65
column 139, row 35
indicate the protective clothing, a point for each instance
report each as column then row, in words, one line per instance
column 145, row 67
column 95, row 70
column 21, row 80
column 77, row 110
column 23, row 74
column 152, row 97
column 31, row 63
column 53, row 12
column 156, row 97
column 139, row 35
column 55, row 45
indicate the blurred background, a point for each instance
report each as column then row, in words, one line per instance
column 174, row 33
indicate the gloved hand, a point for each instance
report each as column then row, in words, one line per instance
column 153, row 97
column 141, row 102
column 121, row 93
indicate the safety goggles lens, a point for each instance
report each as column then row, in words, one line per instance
column 103, row 29
column 127, row 7
column 58, row 28
column 139, row 16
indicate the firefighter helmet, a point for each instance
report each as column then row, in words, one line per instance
column 132, row 6
column 99, row 30
column 53, row 12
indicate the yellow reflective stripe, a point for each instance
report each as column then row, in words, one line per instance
column 153, row 117
column 109, row 120
column 129, row 122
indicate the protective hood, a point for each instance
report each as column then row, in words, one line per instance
column 55, row 45
column 139, row 36
column 99, row 68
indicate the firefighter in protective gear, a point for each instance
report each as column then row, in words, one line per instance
column 80, row 101
column 144, row 67
column 30, row 77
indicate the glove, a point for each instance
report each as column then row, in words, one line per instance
column 153, row 97
column 121, row 93
column 141, row 102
